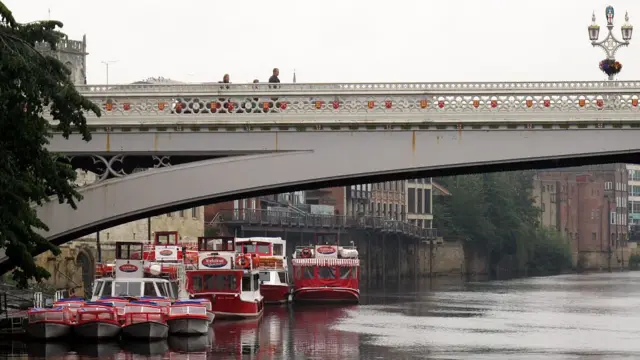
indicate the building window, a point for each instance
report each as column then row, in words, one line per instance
column 194, row 213
column 612, row 217
column 608, row 185
column 543, row 207
column 594, row 236
column 427, row 201
column 419, row 197
column 181, row 213
column 411, row 201
column 552, row 198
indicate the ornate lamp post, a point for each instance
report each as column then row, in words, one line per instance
column 610, row 44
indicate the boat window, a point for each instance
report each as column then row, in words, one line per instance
column 277, row 250
column 246, row 283
column 196, row 283
column 326, row 272
column 106, row 288
column 221, row 283
column 97, row 288
column 256, row 282
column 345, row 272
column 162, row 289
column 249, row 248
column 264, row 250
column 127, row 288
column 354, row 272
column 264, row 276
column 283, row 276
column 308, row 272
column 173, row 289
column 149, row 289
column 297, row 272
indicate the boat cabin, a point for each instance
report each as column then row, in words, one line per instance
column 165, row 247
column 326, row 265
column 269, row 250
column 137, row 312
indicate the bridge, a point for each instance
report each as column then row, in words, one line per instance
column 214, row 142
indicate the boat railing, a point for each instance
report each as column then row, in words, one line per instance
column 93, row 314
column 188, row 310
column 134, row 318
column 49, row 315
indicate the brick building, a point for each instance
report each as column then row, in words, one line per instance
column 588, row 204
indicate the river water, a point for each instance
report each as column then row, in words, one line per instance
column 592, row 316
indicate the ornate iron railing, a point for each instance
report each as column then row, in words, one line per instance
column 293, row 219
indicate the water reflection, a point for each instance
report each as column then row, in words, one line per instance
column 563, row 317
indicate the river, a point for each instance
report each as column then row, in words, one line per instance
column 562, row 317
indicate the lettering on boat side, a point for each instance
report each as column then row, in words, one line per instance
column 326, row 250
column 214, row 262
column 128, row 268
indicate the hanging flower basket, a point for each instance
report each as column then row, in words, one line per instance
column 610, row 67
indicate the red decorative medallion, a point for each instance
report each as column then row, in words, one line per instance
column 214, row 262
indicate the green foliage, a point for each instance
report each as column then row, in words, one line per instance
column 634, row 262
column 496, row 212
column 33, row 85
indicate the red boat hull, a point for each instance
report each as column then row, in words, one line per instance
column 275, row 294
column 326, row 295
column 232, row 307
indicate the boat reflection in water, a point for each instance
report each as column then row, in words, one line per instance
column 192, row 344
column 51, row 349
column 97, row 350
column 150, row 349
column 239, row 338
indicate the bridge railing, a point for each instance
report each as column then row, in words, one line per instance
column 269, row 102
column 293, row 219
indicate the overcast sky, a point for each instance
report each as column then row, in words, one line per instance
column 339, row 40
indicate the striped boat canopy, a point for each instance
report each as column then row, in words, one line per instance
column 325, row 262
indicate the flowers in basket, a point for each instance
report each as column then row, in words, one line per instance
column 610, row 66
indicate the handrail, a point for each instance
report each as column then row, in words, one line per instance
column 285, row 218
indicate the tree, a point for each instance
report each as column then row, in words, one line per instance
column 33, row 85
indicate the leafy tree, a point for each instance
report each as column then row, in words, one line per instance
column 32, row 86
column 496, row 213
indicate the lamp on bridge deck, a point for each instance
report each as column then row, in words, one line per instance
column 610, row 44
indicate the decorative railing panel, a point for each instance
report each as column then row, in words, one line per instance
column 176, row 103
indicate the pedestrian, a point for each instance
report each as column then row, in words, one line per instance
column 274, row 79
column 225, row 80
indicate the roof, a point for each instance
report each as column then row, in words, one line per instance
column 439, row 190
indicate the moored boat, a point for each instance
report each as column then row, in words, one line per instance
column 144, row 320
column 97, row 320
column 326, row 274
column 275, row 285
column 49, row 323
column 226, row 278
column 207, row 304
column 188, row 318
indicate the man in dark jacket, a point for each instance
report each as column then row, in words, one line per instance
column 274, row 77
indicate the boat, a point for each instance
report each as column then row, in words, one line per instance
column 207, row 304
column 49, row 323
column 188, row 318
column 275, row 285
column 226, row 278
column 129, row 281
column 326, row 274
column 97, row 320
column 144, row 320
column 72, row 303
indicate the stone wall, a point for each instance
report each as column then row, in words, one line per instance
column 600, row 261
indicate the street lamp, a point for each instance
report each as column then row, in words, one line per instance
column 106, row 64
column 610, row 44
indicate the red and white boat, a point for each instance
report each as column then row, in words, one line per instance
column 49, row 323
column 274, row 276
column 144, row 320
column 97, row 320
column 227, row 278
column 326, row 274
column 188, row 318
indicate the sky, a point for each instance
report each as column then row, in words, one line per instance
column 340, row 40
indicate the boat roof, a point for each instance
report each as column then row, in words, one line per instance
column 133, row 279
column 271, row 240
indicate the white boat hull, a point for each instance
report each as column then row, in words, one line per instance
column 146, row 330
column 46, row 330
column 97, row 330
column 211, row 316
column 188, row 326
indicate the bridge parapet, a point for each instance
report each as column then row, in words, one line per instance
column 496, row 102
